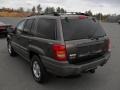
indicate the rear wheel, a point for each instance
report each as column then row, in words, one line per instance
column 38, row 70
column 11, row 50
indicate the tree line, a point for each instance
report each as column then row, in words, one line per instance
column 39, row 10
column 35, row 9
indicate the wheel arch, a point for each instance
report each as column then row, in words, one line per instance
column 34, row 50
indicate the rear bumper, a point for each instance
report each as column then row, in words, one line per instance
column 66, row 69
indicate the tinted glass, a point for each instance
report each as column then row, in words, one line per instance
column 20, row 26
column 75, row 29
column 33, row 26
column 28, row 25
column 46, row 28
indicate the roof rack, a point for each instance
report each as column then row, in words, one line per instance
column 66, row 13
column 58, row 14
column 75, row 13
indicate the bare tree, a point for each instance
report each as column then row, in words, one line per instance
column 39, row 8
column 33, row 10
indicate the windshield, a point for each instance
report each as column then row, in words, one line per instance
column 75, row 29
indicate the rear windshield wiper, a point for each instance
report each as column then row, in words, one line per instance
column 92, row 37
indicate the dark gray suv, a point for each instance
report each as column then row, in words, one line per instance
column 62, row 45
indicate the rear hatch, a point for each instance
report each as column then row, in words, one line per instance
column 85, row 39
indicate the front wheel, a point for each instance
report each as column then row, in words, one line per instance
column 38, row 70
column 11, row 50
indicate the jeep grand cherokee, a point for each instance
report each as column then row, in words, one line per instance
column 63, row 45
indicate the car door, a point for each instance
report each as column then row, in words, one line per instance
column 16, row 38
column 26, row 37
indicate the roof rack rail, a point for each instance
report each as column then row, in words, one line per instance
column 58, row 14
column 70, row 13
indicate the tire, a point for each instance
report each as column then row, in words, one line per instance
column 38, row 70
column 11, row 50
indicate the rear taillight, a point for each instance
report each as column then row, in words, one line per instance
column 59, row 52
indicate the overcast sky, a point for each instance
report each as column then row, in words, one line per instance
column 104, row 6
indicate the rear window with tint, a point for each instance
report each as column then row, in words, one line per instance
column 75, row 29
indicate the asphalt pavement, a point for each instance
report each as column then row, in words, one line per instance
column 15, row 73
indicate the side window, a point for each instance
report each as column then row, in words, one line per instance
column 28, row 25
column 33, row 26
column 20, row 26
column 46, row 28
